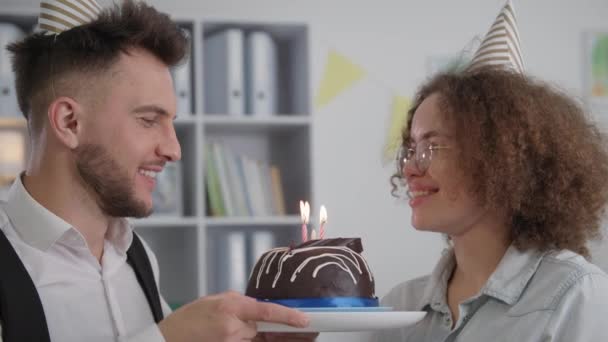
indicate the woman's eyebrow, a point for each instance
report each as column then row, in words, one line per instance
column 425, row 136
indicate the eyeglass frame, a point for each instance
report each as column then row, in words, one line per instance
column 402, row 159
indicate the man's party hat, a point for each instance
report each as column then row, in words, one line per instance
column 57, row 16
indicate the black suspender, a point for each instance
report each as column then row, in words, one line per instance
column 21, row 312
column 138, row 259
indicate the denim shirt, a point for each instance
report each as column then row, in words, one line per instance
column 531, row 296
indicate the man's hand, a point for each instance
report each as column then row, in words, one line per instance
column 225, row 317
column 286, row 337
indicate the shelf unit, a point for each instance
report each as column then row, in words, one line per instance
column 191, row 246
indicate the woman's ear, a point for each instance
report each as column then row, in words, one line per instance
column 65, row 120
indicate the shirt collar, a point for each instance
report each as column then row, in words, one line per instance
column 513, row 273
column 40, row 228
column 36, row 225
column 507, row 283
column 120, row 234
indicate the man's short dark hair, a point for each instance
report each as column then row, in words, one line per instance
column 43, row 63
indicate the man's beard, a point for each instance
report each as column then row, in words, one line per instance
column 111, row 184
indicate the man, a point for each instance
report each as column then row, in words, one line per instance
column 99, row 102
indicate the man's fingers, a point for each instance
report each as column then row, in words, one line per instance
column 250, row 331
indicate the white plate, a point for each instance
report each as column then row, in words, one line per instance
column 344, row 320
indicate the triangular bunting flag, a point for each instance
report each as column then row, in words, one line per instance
column 340, row 73
column 399, row 115
column 501, row 44
column 599, row 66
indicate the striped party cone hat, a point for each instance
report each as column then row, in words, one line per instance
column 57, row 16
column 500, row 46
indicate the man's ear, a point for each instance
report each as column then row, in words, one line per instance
column 65, row 120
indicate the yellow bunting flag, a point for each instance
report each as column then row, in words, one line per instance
column 340, row 73
column 399, row 116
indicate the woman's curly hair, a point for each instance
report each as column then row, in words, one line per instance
column 530, row 151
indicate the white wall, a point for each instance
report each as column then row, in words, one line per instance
column 392, row 40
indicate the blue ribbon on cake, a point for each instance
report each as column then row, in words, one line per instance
column 329, row 302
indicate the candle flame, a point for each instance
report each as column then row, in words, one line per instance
column 323, row 215
column 304, row 211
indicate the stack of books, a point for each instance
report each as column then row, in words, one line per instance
column 241, row 186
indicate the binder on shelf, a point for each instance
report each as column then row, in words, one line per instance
column 261, row 241
column 223, row 72
column 8, row 97
column 261, row 73
column 231, row 260
column 182, row 83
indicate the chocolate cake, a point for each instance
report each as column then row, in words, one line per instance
column 327, row 268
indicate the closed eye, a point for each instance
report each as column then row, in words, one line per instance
column 149, row 121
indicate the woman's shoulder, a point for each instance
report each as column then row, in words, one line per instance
column 566, row 268
column 561, row 274
column 569, row 271
column 407, row 295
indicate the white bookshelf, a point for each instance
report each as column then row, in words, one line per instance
column 188, row 246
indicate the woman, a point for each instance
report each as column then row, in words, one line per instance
column 516, row 176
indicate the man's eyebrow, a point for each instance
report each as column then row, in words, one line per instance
column 151, row 108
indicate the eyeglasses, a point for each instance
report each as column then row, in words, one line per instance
column 421, row 155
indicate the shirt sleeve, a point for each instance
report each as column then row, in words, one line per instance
column 581, row 313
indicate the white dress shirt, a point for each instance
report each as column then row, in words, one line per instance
column 83, row 299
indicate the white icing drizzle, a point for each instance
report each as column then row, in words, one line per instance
column 344, row 267
column 284, row 254
column 272, row 253
column 341, row 263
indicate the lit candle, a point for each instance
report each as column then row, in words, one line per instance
column 304, row 214
column 313, row 234
column 322, row 220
